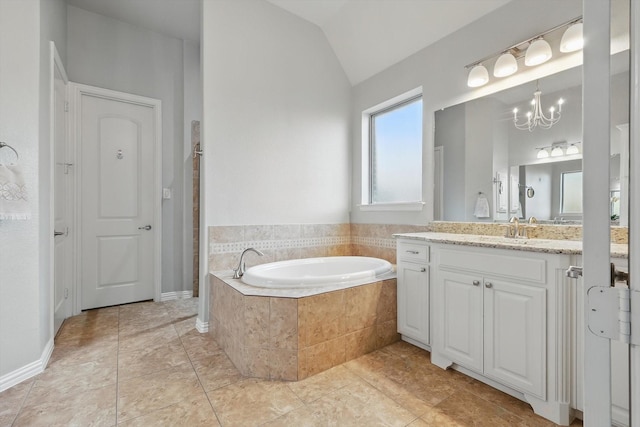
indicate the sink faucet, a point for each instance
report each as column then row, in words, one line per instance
column 238, row 272
column 516, row 226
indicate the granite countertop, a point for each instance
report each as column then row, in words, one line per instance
column 498, row 242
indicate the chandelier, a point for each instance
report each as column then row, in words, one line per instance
column 536, row 117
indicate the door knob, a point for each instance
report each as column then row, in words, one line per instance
column 61, row 233
column 618, row 276
column 146, row 227
column 574, row 272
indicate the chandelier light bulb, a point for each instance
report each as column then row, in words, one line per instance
column 505, row 65
column 536, row 116
column 572, row 39
column 538, row 53
column 478, row 76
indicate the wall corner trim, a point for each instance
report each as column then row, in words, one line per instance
column 202, row 327
column 30, row 370
column 170, row 296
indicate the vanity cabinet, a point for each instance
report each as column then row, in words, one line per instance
column 494, row 327
column 498, row 314
column 413, row 291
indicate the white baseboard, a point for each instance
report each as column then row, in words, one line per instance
column 202, row 327
column 170, row 296
column 27, row 371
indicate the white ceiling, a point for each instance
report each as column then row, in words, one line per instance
column 175, row 18
column 367, row 36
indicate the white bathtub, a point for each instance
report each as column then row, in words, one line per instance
column 315, row 272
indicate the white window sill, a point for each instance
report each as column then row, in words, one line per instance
column 402, row 206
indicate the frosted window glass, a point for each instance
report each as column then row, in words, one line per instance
column 396, row 154
column 572, row 192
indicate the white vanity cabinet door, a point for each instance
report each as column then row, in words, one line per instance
column 459, row 309
column 413, row 301
column 515, row 335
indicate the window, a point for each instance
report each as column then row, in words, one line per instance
column 395, row 153
column 571, row 195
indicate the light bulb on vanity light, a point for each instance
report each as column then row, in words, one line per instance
column 478, row 76
column 572, row 39
column 572, row 149
column 557, row 151
column 538, row 52
column 505, row 65
column 542, row 153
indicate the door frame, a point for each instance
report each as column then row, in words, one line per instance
column 55, row 62
column 634, row 199
column 77, row 90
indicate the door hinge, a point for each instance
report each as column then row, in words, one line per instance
column 66, row 106
column 613, row 312
column 66, row 293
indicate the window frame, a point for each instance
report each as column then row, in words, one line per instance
column 562, row 195
column 368, row 141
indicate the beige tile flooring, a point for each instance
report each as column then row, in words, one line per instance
column 145, row 365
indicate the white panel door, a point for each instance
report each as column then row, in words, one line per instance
column 515, row 335
column 62, row 197
column 413, row 301
column 461, row 314
column 117, row 142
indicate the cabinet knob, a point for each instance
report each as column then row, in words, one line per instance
column 488, row 285
column 476, row 283
column 423, row 269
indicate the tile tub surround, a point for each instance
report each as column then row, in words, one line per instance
column 293, row 241
column 293, row 338
column 277, row 242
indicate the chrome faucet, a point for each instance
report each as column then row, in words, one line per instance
column 515, row 222
column 238, row 272
column 515, row 230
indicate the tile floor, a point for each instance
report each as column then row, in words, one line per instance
column 145, row 365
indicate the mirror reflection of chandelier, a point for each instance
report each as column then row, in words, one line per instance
column 536, row 116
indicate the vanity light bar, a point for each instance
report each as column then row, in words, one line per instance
column 558, row 149
column 536, row 51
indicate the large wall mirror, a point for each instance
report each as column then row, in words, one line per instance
column 481, row 154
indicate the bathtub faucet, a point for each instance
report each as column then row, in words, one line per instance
column 239, row 271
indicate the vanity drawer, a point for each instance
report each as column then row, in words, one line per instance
column 515, row 265
column 413, row 251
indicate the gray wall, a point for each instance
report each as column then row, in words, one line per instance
column 25, row 288
column 440, row 70
column 111, row 54
column 276, row 118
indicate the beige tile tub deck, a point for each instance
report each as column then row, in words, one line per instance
column 291, row 338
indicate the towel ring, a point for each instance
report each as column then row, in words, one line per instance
column 4, row 144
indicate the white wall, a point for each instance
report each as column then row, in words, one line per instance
column 26, row 26
column 111, row 54
column 275, row 118
column 440, row 70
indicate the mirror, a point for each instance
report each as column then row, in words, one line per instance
column 483, row 155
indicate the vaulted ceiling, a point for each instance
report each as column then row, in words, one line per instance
column 367, row 36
